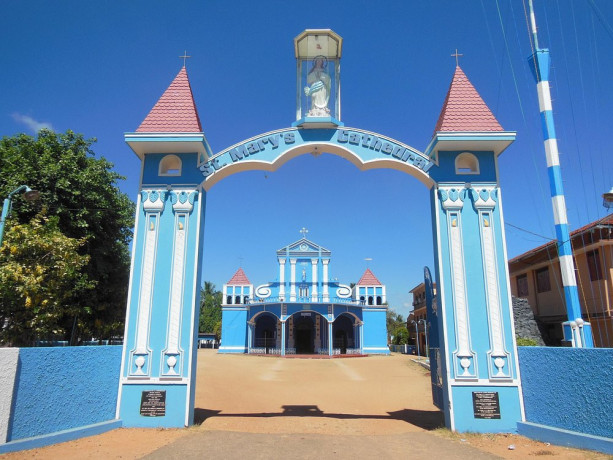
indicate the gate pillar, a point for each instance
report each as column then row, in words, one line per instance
column 158, row 369
column 478, row 385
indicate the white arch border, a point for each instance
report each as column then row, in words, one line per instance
column 317, row 148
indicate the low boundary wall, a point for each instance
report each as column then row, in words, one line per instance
column 58, row 389
column 568, row 389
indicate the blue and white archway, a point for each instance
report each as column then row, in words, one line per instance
column 477, row 387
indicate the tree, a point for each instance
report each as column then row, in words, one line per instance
column 210, row 309
column 81, row 191
column 394, row 321
column 41, row 275
column 401, row 335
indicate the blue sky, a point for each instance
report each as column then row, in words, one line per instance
column 98, row 68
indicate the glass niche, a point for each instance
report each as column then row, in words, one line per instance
column 318, row 53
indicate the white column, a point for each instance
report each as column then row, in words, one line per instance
column 326, row 295
column 314, row 276
column 330, row 339
column 283, row 324
column 292, row 289
column 281, row 280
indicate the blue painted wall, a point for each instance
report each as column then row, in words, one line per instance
column 62, row 388
column 568, row 388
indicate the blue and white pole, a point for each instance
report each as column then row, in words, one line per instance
column 576, row 330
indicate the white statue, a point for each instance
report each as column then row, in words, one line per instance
column 319, row 88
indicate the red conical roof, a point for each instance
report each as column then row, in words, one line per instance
column 175, row 111
column 464, row 110
column 369, row 279
column 239, row 279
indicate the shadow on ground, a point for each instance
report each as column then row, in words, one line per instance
column 427, row 420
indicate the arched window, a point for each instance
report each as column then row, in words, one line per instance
column 466, row 163
column 379, row 300
column 362, row 300
column 229, row 300
column 246, row 299
column 237, row 300
column 170, row 166
column 370, row 300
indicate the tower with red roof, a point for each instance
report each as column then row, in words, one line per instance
column 163, row 304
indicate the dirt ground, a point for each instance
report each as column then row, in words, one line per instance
column 372, row 396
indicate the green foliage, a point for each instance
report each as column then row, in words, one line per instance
column 401, row 335
column 210, row 309
column 524, row 342
column 81, row 191
column 394, row 321
column 41, row 280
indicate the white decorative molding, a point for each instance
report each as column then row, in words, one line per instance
column 140, row 356
column 452, row 200
column 452, row 197
column 173, row 353
column 281, row 279
column 153, row 200
column 498, row 358
column 292, row 289
column 484, row 197
column 314, row 279
column 326, row 294
column 183, row 200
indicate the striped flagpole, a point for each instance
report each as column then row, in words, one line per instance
column 575, row 329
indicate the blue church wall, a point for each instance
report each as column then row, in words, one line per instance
column 234, row 330
column 62, row 388
column 375, row 331
column 568, row 388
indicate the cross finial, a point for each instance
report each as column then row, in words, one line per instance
column 185, row 56
column 304, row 231
column 457, row 55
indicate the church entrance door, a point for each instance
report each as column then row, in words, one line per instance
column 305, row 335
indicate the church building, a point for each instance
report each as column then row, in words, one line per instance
column 304, row 311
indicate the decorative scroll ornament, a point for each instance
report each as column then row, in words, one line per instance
column 263, row 291
column 452, row 197
column 153, row 200
column 343, row 291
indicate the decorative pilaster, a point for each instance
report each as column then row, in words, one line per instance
column 314, row 279
column 292, row 289
column 485, row 200
column 452, row 200
column 152, row 202
column 330, row 350
column 182, row 205
column 326, row 295
column 282, row 280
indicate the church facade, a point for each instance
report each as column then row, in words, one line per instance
column 304, row 311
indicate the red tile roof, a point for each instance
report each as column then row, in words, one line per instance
column 369, row 279
column 175, row 111
column 464, row 110
column 239, row 279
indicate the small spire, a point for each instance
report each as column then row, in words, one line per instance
column 457, row 55
column 304, row 231
column 185, row 56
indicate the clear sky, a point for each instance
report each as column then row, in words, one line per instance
column 98, row 68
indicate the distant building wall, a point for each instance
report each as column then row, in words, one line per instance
column 568, row 388
column 61, row 388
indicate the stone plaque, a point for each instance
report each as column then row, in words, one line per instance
column 153, row 403
column 486, row 404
